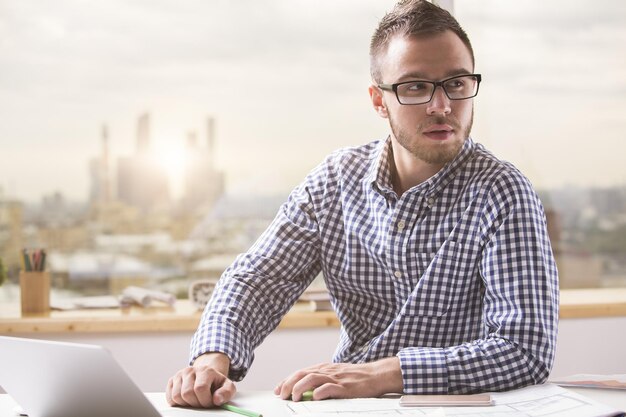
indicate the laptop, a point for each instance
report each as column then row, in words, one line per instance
column 58, row 379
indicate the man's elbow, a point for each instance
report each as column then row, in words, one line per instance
column 540, row 367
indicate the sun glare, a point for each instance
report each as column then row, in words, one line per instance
column 173, row 160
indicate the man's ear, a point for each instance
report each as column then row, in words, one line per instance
column 376, row 95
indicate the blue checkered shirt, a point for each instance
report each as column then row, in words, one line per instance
column 456, row 277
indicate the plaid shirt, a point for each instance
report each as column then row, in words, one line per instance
column 456, row 277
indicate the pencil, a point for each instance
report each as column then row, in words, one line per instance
column 27, row 261
column 36, row 260
column 306, row 396
column 22, row 261
column 241, row 411
column 43, row 260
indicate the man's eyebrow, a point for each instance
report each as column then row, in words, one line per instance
column 416, row 75
column 457, row 71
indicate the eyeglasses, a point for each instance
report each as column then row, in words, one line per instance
column 460, row 87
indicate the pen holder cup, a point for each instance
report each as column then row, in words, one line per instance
column 35, row 290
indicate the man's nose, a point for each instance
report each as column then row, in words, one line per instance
column 440, row 103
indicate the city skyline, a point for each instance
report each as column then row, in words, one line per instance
column 552, row 101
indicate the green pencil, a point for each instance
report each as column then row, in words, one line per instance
column 27, row 261
column 241, row 411
column 306, row 396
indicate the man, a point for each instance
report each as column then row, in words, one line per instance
column 434, row 251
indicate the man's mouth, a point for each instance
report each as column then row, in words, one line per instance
column 438, row 132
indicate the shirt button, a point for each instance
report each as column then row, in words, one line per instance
column 430, row 201
column 365, row 349
column 398, row 274
column 401, row 225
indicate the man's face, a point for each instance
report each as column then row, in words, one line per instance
column 433, row 132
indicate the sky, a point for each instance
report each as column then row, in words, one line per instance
column 286, row 81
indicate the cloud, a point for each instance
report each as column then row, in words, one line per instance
column 70, row 65
column 546, row 48
column 280, row 75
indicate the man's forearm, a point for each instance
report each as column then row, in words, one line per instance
column 492, row 364
column 389, row 374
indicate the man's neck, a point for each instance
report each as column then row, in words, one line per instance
column 407, row 170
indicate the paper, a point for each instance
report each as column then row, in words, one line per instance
column 144, row 297
column 105, row 301
column 130, row 296
column 540, row 401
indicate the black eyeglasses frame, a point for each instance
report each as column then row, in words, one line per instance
column 394, row 88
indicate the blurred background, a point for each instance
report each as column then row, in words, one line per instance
column 149, row 142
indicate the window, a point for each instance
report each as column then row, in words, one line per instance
column 552, row 102
column 149, row 143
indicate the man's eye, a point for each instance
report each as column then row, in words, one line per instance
column 416, row 87
column 455, row 84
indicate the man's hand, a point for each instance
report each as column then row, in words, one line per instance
column 344, row 380
column 205, row 384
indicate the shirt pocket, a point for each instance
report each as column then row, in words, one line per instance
column 438, row 286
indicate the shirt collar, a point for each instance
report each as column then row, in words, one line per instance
column 441, row 179
column 380, row 173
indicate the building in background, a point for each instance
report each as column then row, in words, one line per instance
column 100, row 173
column 139, row 219
column 203, row 183
column 141, row 181
column 11, row 226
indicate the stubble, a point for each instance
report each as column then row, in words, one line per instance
column 431, row 151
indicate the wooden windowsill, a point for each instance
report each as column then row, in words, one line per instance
column 584, row 303
column 596, row 302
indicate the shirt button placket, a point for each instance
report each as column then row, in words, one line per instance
column 400, row 225
column 398, row 236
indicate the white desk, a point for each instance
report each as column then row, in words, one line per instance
column 260, row 401
column 266, row 403
column 263, row 402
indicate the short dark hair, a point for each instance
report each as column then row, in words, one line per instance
column 412, row 18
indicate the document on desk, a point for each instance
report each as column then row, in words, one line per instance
column 617, row 381
column 536, row 401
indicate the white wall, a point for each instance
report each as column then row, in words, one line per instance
column 584, row 346
column 151, row 358
column 594, row 346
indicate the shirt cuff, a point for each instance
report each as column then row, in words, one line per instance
column 424, row 370
column 224, row 338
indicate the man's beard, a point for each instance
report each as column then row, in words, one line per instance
column 430, row 151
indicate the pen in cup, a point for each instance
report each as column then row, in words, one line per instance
column 33, row 261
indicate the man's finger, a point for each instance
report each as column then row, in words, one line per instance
column 204, row 385
column 330, row 390
column 168, row 391
column 175, row 393
column 287, row 386
column 224, row 393
column 187, row 391
column 309, row 383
